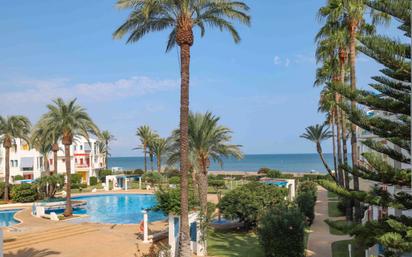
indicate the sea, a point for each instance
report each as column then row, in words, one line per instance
column 250, row 162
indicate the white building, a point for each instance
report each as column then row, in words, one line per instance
column 377, row 212
column 85, row 159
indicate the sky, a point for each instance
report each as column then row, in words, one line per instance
column 261, row 88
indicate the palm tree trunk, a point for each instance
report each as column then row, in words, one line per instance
column 184, row 237
column 352, row 59
column 319, row 150
column 106, row 155
column 338, row 140
column 332, row 124
column 68, row 211
column 46, row 165
column 342, row 61
column 7, row 174
column 151, row 162
column 203, row 187
column 55, row 162
column 159, row 164
column 145, row 156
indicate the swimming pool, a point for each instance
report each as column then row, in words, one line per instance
column 117, row 208
column 7, row 218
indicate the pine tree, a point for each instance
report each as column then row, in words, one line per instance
column 392, row 125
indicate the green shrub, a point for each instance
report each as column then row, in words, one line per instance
column 47, row 186
column 274, row 174
column 24, row 193
column 138, row 172
column 83, row 185
column 152, row 178
column 263, row 170
column 168, row 201
column 18, row 177
column 76, row 179
column 308, row 186
column 248, row 202
column 2, row 186
column 102, row 175
column 281, row 232
column 306, row 203
column 175, row 180
column 93, row 181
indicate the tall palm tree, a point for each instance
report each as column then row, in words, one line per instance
column 105, row 138
column 160, row 149
column 317, row 134
column 11, row 128
column 351, row 13
column 181, row 17
column 42, row 141
column 208, row 141
column 151, row 149
column 68, row 120
column 145, row 134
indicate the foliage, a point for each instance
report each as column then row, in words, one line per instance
column 47, row 186
column 263, row 170
column 168, row 201
column 308, row 186
column 281, row 232
column 306, row 203
column 18, row 177
column 93, row 181
column 233, row 244
column 274, row 173
column 102, row 175
column 2, row 186
column 175, row 180
column 76, row 180
column 152, row 177
column 248, row 202
column 24, row 193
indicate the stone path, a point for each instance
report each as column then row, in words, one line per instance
column 320, row 240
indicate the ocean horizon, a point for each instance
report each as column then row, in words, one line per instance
column 251, row 162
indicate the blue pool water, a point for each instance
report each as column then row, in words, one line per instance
column 117, row 208
column 7, row 218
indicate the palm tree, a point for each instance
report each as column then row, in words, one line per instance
column 144, row 133
column 160, row 149
column 208, row 141
column 181, row 17
column 105, row 138
column 151, row 149
column 11, row 128
column 68, row 120
column 317, row 134
column 351, row 14
column 42, row 141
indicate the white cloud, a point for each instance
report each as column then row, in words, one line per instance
column 277, row 60
column 295, row 59
column 287, row 62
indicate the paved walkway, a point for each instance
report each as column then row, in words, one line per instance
column 320, row 240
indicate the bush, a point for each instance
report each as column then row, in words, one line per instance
column 308, row 186
column 47, row 186
column 306, row 203
column 2, row 186
column 263, row 170
column 18, row 177
column 175, row 180
column 152, row 178
column 274, row 174
column 93, row 181
column 168, row 201
column 102, row 175
column 24, row 193
column 76, row 179
column 248, row 202
column 281, row 232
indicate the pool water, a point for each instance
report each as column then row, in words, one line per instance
column 7, row 218
column 117, row 208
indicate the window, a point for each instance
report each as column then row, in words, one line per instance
column 74, row 147
column 81, row 147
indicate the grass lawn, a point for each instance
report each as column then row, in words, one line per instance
column 334, row 231
column 340, row 249
column 333, row 210
column 233, row 244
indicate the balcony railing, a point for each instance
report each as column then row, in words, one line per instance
column 82, row 165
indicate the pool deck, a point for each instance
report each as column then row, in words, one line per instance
column 38, row 237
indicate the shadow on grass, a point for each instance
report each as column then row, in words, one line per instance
column 31, row 252
column 234, row 244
